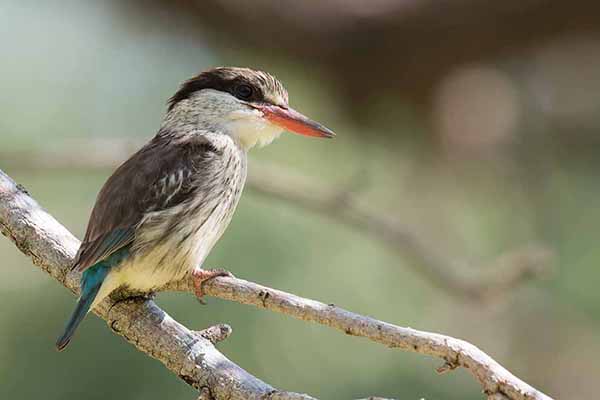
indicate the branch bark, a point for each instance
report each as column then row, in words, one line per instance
column 503, row 274
column 191, row 355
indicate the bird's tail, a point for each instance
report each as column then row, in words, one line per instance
column 91, row 281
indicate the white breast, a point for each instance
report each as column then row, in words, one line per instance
column 164, row 259
column 180, row 253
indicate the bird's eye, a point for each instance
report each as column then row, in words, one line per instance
column 243, row 92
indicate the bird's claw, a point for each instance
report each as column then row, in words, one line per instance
column 200, row 276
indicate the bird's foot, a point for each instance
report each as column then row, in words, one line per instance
column 199, row 276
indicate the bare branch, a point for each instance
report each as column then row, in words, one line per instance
column 193, row 357
column 503, row 274
column 455, row 353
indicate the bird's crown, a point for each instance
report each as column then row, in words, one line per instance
column 246, row 84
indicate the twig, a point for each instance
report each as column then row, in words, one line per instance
column 194, row 358
column 508, row 271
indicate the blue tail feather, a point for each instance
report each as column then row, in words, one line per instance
column 91, row 281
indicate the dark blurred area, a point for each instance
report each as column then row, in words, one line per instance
column 473, row 123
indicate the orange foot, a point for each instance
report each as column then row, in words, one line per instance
column 200, row 276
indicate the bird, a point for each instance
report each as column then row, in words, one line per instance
column 161, row 212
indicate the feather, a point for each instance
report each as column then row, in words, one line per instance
column 91, row 282
column 158, row 177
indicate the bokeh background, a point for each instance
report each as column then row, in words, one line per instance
column 473, row 124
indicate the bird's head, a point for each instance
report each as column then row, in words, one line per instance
column 251, row 106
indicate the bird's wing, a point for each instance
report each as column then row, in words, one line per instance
column 157, row 177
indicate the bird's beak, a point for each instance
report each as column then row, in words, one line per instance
column 292, row 121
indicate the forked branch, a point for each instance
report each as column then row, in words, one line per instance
column 192, row 355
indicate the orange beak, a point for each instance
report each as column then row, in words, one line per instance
column 292, row 121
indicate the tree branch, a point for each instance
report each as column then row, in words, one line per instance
column 191, row 355
column 494, row 379
column 501, row 275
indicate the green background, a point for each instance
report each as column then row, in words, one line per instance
column 75, row 71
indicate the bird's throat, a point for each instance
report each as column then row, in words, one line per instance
column 251, row 129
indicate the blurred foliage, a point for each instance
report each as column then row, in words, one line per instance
column 506, row 153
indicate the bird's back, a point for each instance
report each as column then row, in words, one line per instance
column 169, row 203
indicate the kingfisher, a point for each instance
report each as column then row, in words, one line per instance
column 161, row 212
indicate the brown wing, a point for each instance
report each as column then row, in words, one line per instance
column 155, row 178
